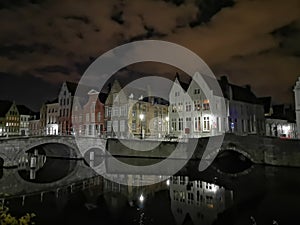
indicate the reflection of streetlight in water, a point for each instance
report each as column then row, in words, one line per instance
column 141, row 118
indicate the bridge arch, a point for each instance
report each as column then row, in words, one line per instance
column 44, row 141
column 235, row 148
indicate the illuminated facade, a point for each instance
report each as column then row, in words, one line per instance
column 191, row 115
column 25, row 116
column 197, row 201
column 52, row 109
column 9, row 119
column 128, row 114
column 297, row 105
column 190, row 112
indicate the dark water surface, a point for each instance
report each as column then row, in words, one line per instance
column 246, row 194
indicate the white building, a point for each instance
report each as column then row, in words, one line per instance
column 52, row 118
column 192, row 114
column 197, row 202
column 25, row 115
column 297, row 105
column 190, row 111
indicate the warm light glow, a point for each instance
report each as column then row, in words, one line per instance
column 167, row 119
column 286, row 128
column 141, row 198
column 214, row 188
column 142, row 116
column 168, row 182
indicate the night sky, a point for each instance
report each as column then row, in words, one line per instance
column 45, row 42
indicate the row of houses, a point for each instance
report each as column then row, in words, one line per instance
column 132, row 112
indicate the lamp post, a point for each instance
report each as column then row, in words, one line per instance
column 141, row 118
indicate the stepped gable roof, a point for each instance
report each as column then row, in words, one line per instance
column 4, row 107
column 24, row 110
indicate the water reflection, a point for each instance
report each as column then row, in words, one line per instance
column 37, row 168
column 197, row 201
column 31, row 163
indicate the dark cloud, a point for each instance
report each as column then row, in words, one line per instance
column 53, row 69
column 253, row 41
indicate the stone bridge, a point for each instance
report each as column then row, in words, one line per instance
column 265, row 150
column 259, row 149
column 13, row 149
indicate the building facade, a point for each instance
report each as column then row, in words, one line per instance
column 25, row 115
column 35, row 127
column 52, row 109
column 9, row 119
column 191, row 116
column 93, row 115
column 65, row 100
column 246, row 112
column 129, row 114
column 190, row 113
column 297, row 105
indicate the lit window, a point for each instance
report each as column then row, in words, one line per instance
column 206, row 104
column 206, row 124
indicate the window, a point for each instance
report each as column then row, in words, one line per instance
column 173, row 123
column 108, row 125
column 173, row 108
column 115, row 125
column 188, row 121
column 99, row 116
column 180, row 124
column 177, row 93
column 123, row 110
column 206, row 104
column 197, row 123
column 115, row 111
column 92, row 107
column 197, row 105
column 206, row 125
column 180, row 107
column 188, row 107
column 122, row 126
column 197, row 91
column 87, row 117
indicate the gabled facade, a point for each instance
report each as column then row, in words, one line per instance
column 65, row 100
column 52, row 109
column 128, row 113
column 93, row 115
column 190, row 112
column 9, row 119
column 25, row 115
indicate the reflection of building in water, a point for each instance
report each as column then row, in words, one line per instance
column 136, row 189
column 197, row 200
column 32, row 162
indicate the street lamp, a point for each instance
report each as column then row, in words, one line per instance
column 141, row 118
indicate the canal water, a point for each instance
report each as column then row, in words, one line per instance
column 244, row 194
